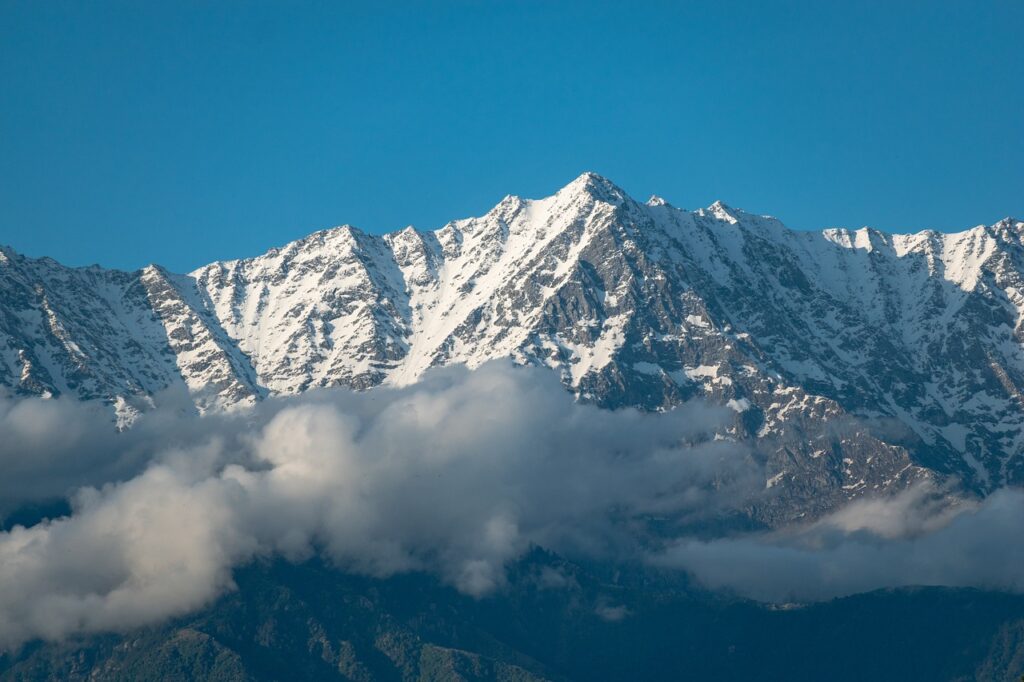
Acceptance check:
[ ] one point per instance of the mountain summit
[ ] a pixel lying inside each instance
(857, 361)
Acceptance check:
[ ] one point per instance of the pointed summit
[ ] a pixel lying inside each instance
(597, 186)
(723, 212)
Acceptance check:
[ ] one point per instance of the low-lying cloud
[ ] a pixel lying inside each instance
(456, 475)
(915, 538)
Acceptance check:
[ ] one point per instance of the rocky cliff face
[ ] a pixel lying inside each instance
(857, 361)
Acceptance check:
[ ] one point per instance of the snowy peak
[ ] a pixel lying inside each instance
(596, 187)
(722, 212)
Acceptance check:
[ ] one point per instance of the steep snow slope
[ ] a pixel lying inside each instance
(860, 360)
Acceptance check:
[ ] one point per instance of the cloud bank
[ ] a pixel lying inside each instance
(456, 476)
(915, 538)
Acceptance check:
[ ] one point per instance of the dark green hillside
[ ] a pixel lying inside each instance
(554, 621)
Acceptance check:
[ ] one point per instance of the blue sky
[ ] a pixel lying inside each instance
(183, 132)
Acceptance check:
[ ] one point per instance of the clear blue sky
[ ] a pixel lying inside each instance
(183, 132)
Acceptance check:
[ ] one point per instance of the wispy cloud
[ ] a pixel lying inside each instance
(915, 538)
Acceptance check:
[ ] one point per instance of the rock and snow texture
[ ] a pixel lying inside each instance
(858, 360)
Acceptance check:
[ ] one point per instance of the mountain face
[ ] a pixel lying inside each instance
(857, 361)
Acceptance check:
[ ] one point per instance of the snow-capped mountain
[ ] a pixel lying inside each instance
(859, 360)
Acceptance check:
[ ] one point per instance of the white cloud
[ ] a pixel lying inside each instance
(915, 538)
(456, 476)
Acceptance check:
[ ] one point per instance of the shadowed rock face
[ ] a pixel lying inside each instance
(857, 361)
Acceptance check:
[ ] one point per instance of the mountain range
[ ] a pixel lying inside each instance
(855, 361)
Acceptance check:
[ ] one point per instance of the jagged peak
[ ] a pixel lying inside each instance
(721, 211)
(408, 234)
(339, 233)
(509, 204)
(511, 200)
(337, 230)
(342, 233)
(655, 200)
(154, 271)
(597, 186)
